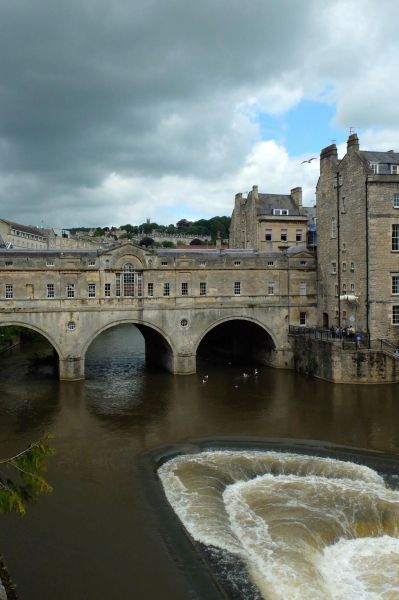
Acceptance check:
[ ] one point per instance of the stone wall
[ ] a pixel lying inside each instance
(328, 360)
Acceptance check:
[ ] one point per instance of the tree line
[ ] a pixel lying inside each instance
(203, 227)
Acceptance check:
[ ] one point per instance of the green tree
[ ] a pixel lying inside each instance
(21, 479)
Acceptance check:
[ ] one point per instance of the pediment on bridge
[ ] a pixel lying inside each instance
(118, 256)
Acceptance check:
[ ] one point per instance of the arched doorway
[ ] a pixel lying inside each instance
(237, 340)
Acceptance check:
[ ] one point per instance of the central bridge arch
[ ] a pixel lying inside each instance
(159, 350)
(238, 337)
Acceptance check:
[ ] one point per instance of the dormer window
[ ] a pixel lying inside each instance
(394, 169)
(281, 211)
(374, 168)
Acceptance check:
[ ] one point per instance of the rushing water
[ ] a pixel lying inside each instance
(98, 536)
(306, 527)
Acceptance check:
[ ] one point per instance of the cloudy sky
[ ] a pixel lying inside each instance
(112, 112)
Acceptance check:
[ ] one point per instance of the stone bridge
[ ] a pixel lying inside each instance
(179, 300)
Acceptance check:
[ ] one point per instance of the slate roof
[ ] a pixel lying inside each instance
(267, 202)
(25, 228)
(384, 160)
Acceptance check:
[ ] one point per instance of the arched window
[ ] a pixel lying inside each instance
(128, 280)
(129, 283)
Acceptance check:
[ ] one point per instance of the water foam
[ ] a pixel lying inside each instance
(289, 517)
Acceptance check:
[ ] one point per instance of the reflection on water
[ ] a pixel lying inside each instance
(292, 519)
(98, 520)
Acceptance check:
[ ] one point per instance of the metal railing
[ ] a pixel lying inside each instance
(347, 339)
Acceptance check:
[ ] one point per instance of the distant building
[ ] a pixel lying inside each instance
(268, 222)
(22, 236)
(358, 240)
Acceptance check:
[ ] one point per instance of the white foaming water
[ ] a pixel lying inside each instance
(306, 527)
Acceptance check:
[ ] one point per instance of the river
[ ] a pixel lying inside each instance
(97, 535)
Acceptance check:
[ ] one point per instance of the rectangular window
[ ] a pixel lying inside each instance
(333, 267)
(91, 290)
(395, 284)
(166, 289)
(302, 318)
(270, 288)
(268, 235)
(352, 266)
(284, 235)
(396, 200)
(202, 288)
(107, 290)
(8, 290)
(374, 168)
(299, 235)
(184, 288)
(352, 288)
(70, 290)
(395, 315)
(344, 288)
(336, 290)
(395, 237)
(237, 288)
(139, 288)
(394, 169)
(150, 289)
(302, 288)
(117, 285)
(344, 266)
(50, 290)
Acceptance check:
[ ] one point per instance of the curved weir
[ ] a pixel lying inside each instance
(304, 527)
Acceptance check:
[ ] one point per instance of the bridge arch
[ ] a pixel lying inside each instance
(44, 333)
(159, 349)
(239, 336)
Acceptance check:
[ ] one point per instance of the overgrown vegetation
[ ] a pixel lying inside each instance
(21, 478)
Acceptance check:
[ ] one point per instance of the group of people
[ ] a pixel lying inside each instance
(340, 332)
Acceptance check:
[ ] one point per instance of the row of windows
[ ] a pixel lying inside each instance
(129, 289)
(394, 169)
(299, 235)
(29, 236)
(345, 288)
(344, 267)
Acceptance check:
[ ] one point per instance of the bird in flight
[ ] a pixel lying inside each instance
(308, 161)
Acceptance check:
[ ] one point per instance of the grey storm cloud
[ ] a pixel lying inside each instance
(151, 91)
(87, 86)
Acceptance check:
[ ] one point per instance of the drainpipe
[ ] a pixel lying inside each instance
(338, 255)
(367, 265)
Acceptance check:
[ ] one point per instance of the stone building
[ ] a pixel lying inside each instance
(22, 236)
(358, 240)
(268, 222)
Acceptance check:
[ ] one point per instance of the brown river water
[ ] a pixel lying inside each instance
(99, 535)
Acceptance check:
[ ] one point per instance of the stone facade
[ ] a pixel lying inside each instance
(358, 240)
(268, 222)
(174, 297)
